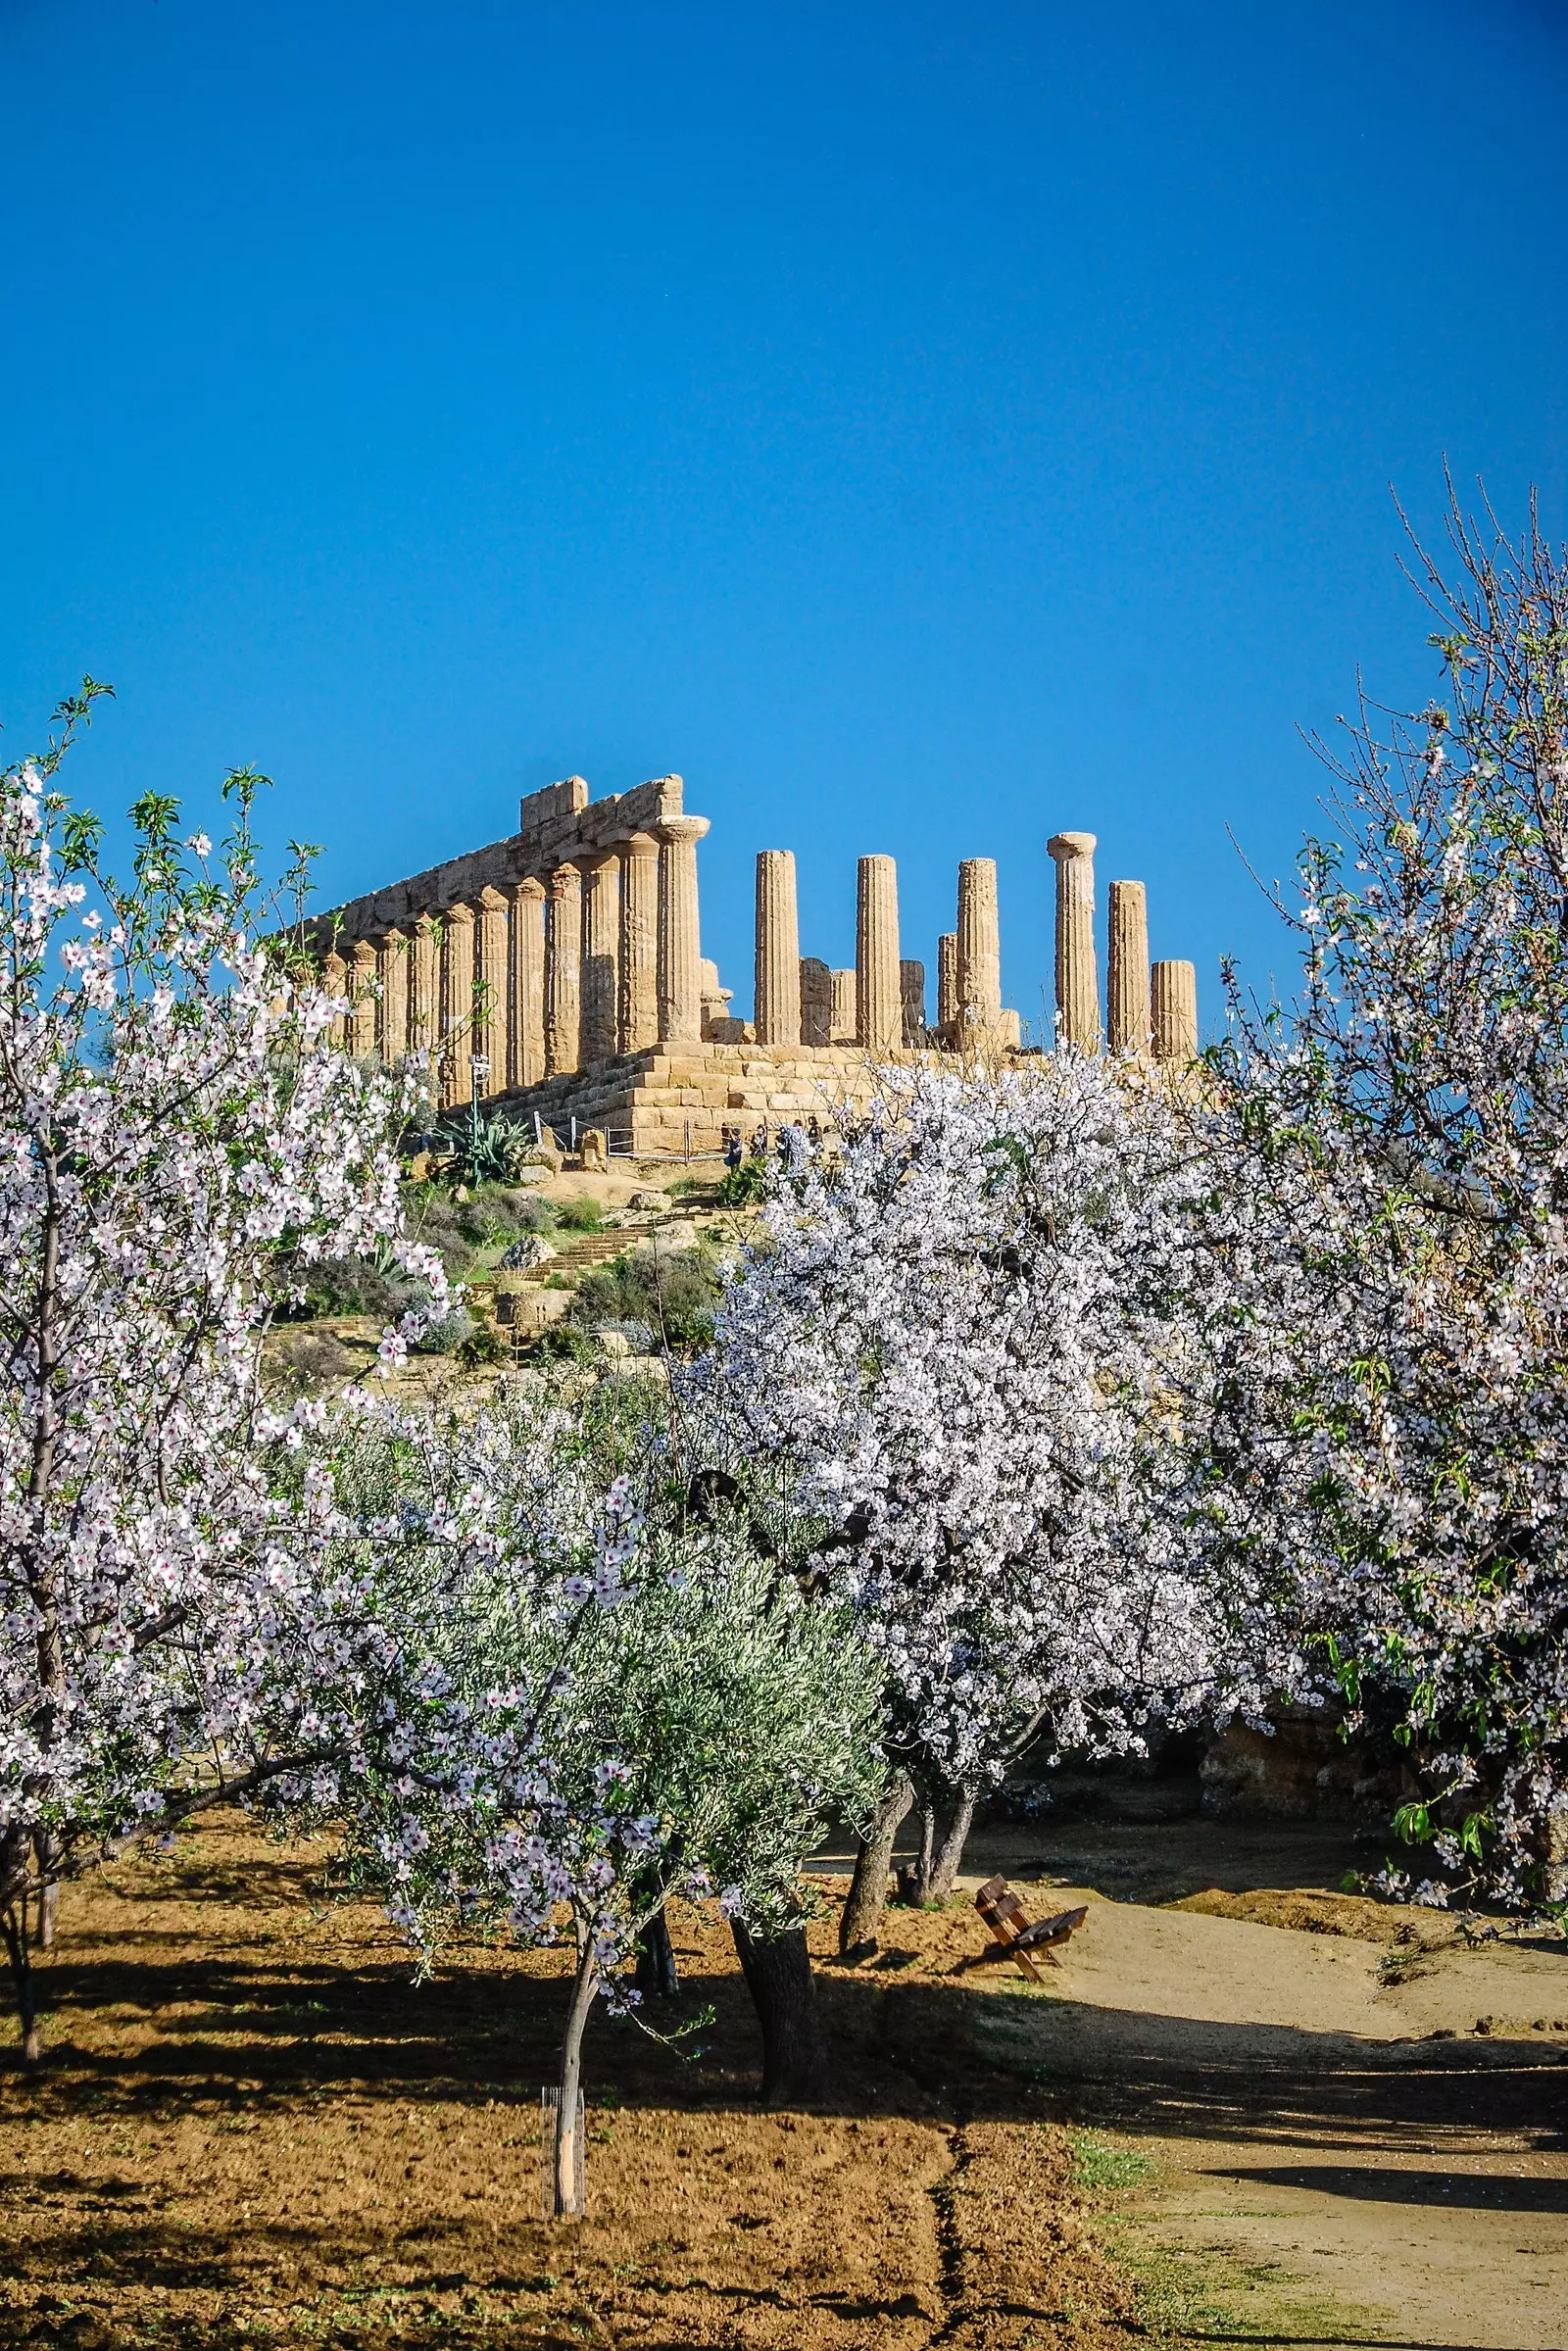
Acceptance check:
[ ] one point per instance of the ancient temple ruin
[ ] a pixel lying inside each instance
(562, 969)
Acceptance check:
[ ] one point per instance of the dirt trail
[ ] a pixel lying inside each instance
(1369, 2133)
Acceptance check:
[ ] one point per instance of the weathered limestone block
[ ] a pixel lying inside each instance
(680, 954)
(879, 1002)
(601, 958)
(779, 951)
(639, 943)
(1174, 991)
(911, 991)
(816, 1001)
(564, 972)
(526, 1041)
(1077, 970)
(845, 1012)
(1127, 999)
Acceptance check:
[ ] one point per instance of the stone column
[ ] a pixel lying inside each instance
(526, 1065)
(392, 958)
(777, 1012)
(846, 1018)
(492, 990)
(879, 1003)
(1127, 1010)
(816, 1001)
(1175, 1012)
(1077, 976)
(457, 1004)
(639, 944)
(334, 982)
(912, 994)
(361, 987)
(425, 987)
(564, 972)
(947, 997)
(601, 956)
(979, 948)
(680, 953)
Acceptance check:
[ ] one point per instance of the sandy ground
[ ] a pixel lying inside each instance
(255, 2128)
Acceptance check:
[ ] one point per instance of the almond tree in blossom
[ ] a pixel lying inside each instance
(959, 1350)
(173, 1125)
(1387, 1415)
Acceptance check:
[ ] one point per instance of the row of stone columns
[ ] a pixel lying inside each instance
(879, 1005)
(542, 977)
(1151, 1009)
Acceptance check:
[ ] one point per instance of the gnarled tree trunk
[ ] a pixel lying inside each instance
(778, 1975)
(861, 1922)
(568, 2154)
(942, 1856)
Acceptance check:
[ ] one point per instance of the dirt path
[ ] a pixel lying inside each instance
(1366, 2138)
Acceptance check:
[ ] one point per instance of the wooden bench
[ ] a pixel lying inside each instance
(1017, 1939)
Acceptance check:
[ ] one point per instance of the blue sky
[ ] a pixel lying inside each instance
(923, 426)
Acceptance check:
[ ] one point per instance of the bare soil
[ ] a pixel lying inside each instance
(254, 2126)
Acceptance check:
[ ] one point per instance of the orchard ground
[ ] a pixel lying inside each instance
(1262, 2116)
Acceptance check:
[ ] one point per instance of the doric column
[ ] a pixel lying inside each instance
(601, 956)
(1077, 976)
(639, 944)
(1175, 1012)
(779, 951)
(424, 986)
(564, 972)
(1127, 1009)
(879, 1004)
(393, 954)
(457, 1004)
(846, 1016)
(912, 995)
(334, 982)
(816, 1001)
(492, 988)
(362, 988)
(947, 997)
(680, 953)
(525, 1065)
(979, 938)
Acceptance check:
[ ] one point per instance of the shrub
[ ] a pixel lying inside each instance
(673, 1295)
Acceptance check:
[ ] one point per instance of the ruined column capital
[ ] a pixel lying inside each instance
(490, 900)
(682, 828)
(639, 845)
(1063, 845)
(565, 880)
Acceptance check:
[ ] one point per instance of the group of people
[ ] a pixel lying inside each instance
(794, 1145)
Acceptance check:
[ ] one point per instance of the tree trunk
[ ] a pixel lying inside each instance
(657, 1976)
(568, 2153)
(778, 1975)
(48, 1851)
(949, 1854)
(861, 1922)
(23, 1983)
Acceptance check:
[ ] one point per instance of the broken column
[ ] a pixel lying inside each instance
(912, 994)
(1174, 991)
(525, 1057)
(1077, 975)
(1127, 1007)
(457, 1004)
(564, 972)
(639, 943)
(816, 1001)
(492, 988)
(335, 983)
(601, 956)
(979, 937)
(878, 999)
(777, 1004)
(392, 955)
(680, 954)
(846, 1018)
(948, 997)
